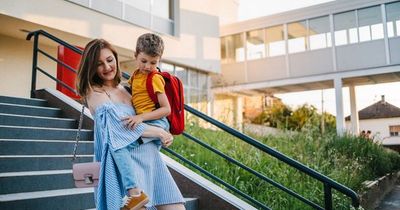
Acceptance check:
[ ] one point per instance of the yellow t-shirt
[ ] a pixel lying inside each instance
(141, 100)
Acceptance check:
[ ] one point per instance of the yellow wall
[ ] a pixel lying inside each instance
(16, 65)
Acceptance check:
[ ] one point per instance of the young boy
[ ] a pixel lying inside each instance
(149, 49)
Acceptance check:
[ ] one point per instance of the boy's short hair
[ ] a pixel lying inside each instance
(150, 44)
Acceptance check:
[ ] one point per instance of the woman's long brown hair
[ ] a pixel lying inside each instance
(87, 72)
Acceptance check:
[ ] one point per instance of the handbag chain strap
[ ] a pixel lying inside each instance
(78, 133)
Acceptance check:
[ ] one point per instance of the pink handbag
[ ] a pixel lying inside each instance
(85, 174)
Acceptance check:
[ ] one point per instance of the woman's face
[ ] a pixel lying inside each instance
(106, 65)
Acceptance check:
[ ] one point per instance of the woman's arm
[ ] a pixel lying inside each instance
(152, 131)
(163, 111)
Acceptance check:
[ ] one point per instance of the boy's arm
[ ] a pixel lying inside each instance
(152, 131)
(163, 111)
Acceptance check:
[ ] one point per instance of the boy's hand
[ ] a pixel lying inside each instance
(166, 138)
(132, 121)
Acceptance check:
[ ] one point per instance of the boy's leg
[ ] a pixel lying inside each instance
(161, 123)
(134, 198)
(125, 167)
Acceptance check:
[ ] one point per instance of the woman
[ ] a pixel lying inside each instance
(99, 84)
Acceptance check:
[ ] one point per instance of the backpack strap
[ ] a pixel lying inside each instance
(150, 89)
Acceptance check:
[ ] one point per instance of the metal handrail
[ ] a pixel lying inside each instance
(258, 203)
(328, 182)
(252, 171)
(36, 50)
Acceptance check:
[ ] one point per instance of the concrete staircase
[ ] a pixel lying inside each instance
(36, 145)
(35, 157)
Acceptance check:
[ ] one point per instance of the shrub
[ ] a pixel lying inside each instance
(346, 159)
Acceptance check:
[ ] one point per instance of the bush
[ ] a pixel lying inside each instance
(347, 160)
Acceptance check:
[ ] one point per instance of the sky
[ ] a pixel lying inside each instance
(365, 95)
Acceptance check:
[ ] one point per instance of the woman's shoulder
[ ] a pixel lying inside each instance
(95, 98)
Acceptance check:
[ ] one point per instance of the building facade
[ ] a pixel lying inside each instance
(381, 120)
(190, 32)
(332, 45)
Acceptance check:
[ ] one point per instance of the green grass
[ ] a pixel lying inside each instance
(347, 160)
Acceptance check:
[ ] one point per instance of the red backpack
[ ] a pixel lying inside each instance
(174, 91)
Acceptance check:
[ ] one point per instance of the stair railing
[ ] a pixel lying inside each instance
(328, 183)
(36, 50)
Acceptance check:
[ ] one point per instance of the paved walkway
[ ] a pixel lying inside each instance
(391, 201)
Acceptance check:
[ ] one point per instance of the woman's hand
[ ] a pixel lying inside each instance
(132, 121)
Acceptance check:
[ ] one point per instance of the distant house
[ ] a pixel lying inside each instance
(383, 120)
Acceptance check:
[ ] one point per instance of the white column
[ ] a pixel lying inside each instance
(339, 106)
(210, 98)
(238, 112)
(210, 105)
(355, 126)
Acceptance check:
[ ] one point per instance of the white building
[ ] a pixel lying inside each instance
(331, 45)
(382, 119)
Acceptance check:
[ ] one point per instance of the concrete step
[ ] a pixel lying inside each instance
(29, 110)
(190, 204)
(18, 163)
(36, 121)
(29, 181)
(23, 101)
(43, 147)
(71, 199)
(21, 132)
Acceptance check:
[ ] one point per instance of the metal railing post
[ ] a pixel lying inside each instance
(328, 196)
(34, 64)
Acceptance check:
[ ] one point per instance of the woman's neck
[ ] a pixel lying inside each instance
(108, 85)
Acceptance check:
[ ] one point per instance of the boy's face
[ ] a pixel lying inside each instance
(147, 63)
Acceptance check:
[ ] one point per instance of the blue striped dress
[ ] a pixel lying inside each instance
(151, 172)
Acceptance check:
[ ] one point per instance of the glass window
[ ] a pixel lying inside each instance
(255, 44)
(319, 33)
(235, 48)
(202, 81)
(394, 130)
(161, 8)
(297, 33)
(345, 28)
(275, 41)
(139, 4)
(370, 24)
(186, 94)
(393, 19)
(182, 74)
(193, 77)
(390, 28)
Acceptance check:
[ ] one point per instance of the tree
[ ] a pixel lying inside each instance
(281, 116)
